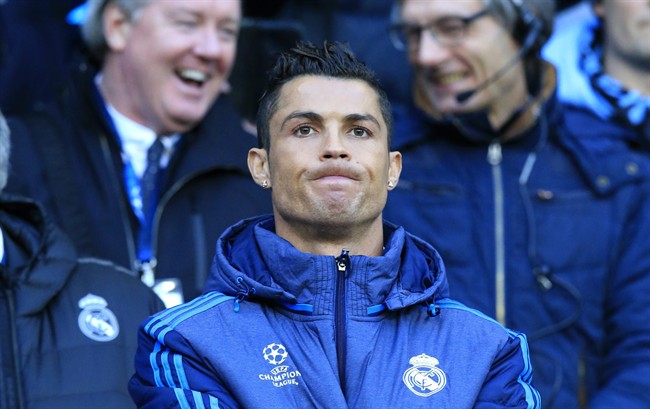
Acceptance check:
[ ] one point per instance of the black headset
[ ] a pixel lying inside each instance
(529, 28)
(532, 33)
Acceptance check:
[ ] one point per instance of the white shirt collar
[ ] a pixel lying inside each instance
(137, 138)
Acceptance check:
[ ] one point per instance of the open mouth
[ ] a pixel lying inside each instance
(192, 77)
(448, 78)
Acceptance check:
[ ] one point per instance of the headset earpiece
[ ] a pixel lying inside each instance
(529, 27)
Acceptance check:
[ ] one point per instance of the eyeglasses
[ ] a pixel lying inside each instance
(448, 31)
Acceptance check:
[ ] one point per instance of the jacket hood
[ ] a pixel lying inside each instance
(25, 224)
(252, 262)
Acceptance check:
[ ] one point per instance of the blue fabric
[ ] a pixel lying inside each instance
(223, 352)
(576, 201)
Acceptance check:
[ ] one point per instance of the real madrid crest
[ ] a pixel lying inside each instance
(424, 378)
(95, 320)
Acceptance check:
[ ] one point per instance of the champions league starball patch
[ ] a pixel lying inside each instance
(280, 375)
(424, 378)
(95, 320)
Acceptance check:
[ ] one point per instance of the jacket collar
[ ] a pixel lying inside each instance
(409, 271)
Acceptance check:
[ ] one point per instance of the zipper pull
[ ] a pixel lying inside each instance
(494, 154)
(343, 261)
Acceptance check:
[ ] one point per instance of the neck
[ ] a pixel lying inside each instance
(631, 74)
(531, 108)
(117, 90)
(330, 238)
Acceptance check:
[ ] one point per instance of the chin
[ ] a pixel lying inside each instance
(448, 108)
(188, 119)
(178, 124)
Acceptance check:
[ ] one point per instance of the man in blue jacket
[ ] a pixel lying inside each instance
(541, 212)
(152, 96)
(323, 304)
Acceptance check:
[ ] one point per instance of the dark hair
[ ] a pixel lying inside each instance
(332, 60)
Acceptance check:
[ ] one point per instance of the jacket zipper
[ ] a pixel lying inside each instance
(16, 384)
(342, 267)
(494, 158)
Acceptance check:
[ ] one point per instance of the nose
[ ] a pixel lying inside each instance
(429, 50)
(334, 146)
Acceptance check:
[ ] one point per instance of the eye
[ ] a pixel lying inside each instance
(412, 33)
(186, 23)
(228, 33)
(304, 130)
(449, 28)
(360, 132)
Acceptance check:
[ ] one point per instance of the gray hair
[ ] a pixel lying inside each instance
(92, 29)
(5, 148)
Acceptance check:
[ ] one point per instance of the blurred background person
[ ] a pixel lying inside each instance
(603, 63)
(541, 219)
(143, 158)
(68, 324)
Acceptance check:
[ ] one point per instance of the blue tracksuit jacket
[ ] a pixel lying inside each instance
(278, 328)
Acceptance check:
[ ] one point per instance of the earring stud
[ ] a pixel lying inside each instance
(391, 184)
(265, 184)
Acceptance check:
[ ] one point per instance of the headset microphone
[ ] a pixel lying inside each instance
(529, 42)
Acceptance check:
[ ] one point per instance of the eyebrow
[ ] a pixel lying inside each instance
(361, 118)
(312, 116)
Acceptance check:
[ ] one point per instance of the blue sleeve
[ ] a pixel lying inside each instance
(624, 378)
(509, 382)
(170, 374)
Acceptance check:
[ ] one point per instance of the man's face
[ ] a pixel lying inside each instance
(328, 162)
(443, 72)
(627, 30)
(175, 57)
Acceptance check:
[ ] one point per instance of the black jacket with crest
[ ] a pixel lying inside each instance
(67, 325)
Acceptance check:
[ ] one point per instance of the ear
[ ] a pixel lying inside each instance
(258, 165)
(117, 27)
(394, 169)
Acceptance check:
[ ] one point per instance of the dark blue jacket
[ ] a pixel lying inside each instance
(67, 325)
(68, 157)
(549, 233)
(279, 328)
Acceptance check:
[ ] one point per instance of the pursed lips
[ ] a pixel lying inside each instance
(335, 174)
